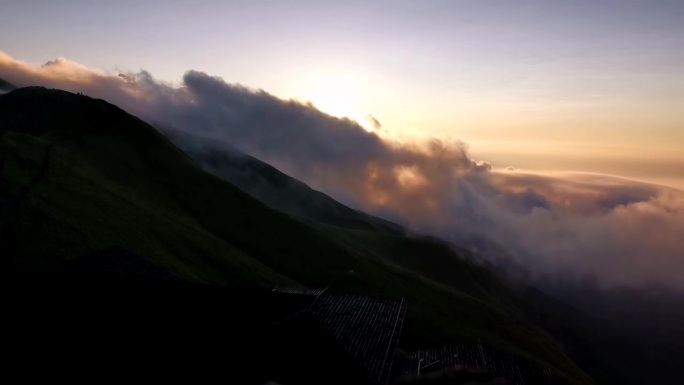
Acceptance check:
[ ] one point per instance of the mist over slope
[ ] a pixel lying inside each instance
(618, 335)
(81, 175)
(620, 231)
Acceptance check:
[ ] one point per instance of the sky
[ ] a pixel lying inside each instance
(506, 121)
(586, 85)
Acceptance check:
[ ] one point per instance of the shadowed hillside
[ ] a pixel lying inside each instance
(384, 240)
(79, 175)
(6, 86)
(602, 331)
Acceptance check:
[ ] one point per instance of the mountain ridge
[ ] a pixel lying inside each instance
(85, 175)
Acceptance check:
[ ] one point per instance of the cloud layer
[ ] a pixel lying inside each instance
(621, 231)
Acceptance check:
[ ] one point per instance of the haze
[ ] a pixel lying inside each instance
(574, 85)
(514, 123)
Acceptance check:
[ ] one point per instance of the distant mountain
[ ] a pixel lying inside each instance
(78, 175)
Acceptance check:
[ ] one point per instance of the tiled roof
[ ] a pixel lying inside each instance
(299, 290)
(517, 370)
(367, 328)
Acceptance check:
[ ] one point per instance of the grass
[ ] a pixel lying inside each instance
(85, 176)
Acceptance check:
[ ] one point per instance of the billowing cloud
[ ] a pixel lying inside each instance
(621, 231)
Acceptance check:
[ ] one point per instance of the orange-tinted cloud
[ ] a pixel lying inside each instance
(624, 232)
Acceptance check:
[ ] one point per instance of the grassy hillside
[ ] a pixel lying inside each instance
(275, 188)
(366, 234)
(78, 175)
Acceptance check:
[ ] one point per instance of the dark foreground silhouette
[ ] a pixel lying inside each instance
(113, 314)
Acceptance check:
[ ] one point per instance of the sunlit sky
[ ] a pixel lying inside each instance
(574, 85)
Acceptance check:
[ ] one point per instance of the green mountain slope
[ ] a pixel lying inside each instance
(370, 235)
(275, 188)
(79, 175)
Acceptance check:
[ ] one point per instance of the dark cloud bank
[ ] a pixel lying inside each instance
(620, 231)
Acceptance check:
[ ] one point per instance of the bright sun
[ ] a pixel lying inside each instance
(338, 94)
(335, 104)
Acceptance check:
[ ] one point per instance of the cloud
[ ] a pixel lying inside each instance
(623, 232)
(373, 121)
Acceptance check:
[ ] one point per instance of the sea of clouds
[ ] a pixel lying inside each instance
(617, 230)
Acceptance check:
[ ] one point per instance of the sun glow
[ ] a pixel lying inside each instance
(335, 105)
(337, 93)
